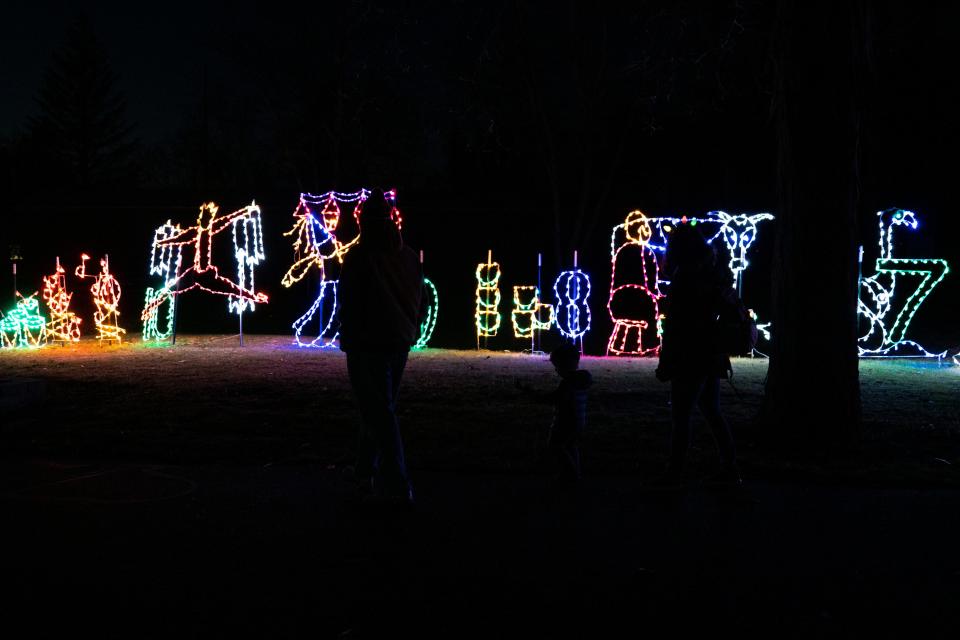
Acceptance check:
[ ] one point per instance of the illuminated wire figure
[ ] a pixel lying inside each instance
(106, 297)
(885, 332)
(487, 314)
(430, 321)
(316, 245)
(528, 311)
(738, 233)
(634, 303)
(23, 327)
(202, 273)
(64, 325)
(165, 261)
(573, 305)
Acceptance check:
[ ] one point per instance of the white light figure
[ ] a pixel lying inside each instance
(885, 332)
(165, 261)
(573, 314)
(634, 302)
(738, 233)
(201, 273)
(316, 246)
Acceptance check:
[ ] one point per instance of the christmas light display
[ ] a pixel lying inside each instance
(106, 298)
(738, 233)
(23, 327)
(885, 334)
(634, 306)
(165, 261)
(202, 274)
(573, 314)
(487, 313)
(528, 311)
(64, 325)
(430, 322)
(316, 246)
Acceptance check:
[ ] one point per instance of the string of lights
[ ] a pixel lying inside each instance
(487, 313)
(165, 261)
(878, 293)
(627, 337)
(526, 314)
(23, 327)
(573, 314)
(106, 298)
(64, 325)
(430, 322)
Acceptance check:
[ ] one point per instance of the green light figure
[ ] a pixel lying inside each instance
(24, 327)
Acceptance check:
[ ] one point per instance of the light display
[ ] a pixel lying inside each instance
(202, 274)
(487, 313)
(64, 325)
(430, 322)
(887, 323)
(738, 233)
(23, 327)
(573, 305)
(528, 311)
(165, 261)
(106, 298)
(634, 302)
(316, 246)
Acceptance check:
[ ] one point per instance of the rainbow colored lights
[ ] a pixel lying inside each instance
(202, 274)
(64, 325)
(106, 298)
(887, 314)
(23, 327)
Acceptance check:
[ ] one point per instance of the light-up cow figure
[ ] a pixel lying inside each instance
(316, 246)
(23, 327)
(202, 273)
(885, 333)
(634, 303)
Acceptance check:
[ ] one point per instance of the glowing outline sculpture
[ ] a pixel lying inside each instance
(247, 232)
(531, 311)
(23, 327)
(106, 293)
(315, 244)
(568, 315)
(64, 325)
(165, 263)
(623, 327)
(430, 322)
(880, 340)
(487, 314)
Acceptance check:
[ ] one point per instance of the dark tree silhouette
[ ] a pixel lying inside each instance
(813, 389)
(80, 136)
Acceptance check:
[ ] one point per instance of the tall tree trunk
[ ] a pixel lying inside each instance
(812, 391)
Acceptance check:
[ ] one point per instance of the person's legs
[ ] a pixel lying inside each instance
(710, 408)
(683, 395)
(393, 468)
(361, 371)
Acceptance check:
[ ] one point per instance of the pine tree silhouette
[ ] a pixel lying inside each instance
(81, 135)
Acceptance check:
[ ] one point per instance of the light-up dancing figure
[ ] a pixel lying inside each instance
(64, 325)
(106, 297)
(634, 303)
(316, 246)
(885, 332)
(202, 273)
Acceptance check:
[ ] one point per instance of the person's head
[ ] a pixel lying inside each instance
(688, 250)
(377, 227)
(375, 209)
(565, 358)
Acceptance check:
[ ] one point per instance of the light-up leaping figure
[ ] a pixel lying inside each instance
(202, 273)
(885, 333)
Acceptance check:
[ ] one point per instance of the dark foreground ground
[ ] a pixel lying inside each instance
(197, 492)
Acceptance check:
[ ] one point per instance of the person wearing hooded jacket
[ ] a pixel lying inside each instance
(380, 298)
(691, 357)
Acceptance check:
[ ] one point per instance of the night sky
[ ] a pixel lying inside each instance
(489, 118)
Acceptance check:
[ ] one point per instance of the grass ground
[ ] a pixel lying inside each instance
(209, 399)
